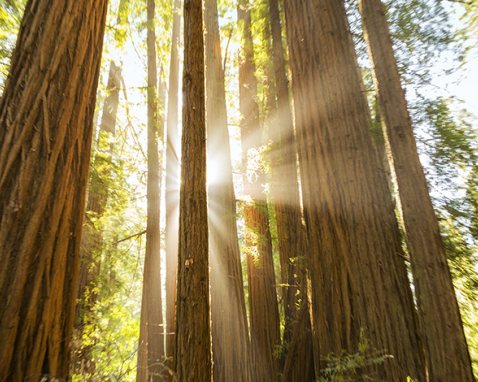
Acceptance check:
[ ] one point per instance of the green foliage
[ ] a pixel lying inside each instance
(350, 367)
(10, 17)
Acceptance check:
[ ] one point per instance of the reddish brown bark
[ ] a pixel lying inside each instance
(230, 337)
(263, 309)
(359, 282)
(46, 116)
(447, 353)
(193, 335)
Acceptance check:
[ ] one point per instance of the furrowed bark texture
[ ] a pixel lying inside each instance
(230, 336)
(290, 229)
(172, 186)
(46, 116)
(447, 353)
(360, 289)
(193, 337)
(264, 314)
(151, 338)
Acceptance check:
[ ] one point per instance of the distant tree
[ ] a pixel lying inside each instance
(263, 309)
(230, 335)
(151, 338)
(172, 185)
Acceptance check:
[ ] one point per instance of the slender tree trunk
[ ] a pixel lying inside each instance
(445, 344)
(46, 116)
(92, 239)
(264, 314)
(151, 339)
(172, 187)
(193, 341)
(230, 337)
(360, 290)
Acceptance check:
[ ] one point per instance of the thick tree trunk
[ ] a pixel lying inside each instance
(46, 116)
(360, 290)
(230, 337)
(264, 314)
(172, 187)
(445, 344)
(193, 337)
(151, 338)
(290, 229)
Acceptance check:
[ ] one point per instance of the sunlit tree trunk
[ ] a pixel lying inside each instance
(263, 309)
(92, 240)
(359, 285)
(151, 337)
(230, 337)
(172, 186)
(46, 116)
(97, 198)
(445, 344)
(193, 335)
(298, 365)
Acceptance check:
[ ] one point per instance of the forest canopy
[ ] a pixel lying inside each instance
(249, 190)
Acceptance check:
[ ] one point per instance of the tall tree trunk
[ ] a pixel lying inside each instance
(151, 338)
(172, 186)
(264, 314)
(230, 337)
(290, 230)
(360, 290)
(46, 116)
(97, 198)
(447, 353)
(193, 342)
(92, 239)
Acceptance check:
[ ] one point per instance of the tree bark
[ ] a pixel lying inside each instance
(230, 337)
(360, 290)
(447, 353)
(151, 338)
(46, 116)
(264, 314)
(172, 187)
(193, 342)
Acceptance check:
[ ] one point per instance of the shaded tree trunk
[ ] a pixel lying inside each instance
(230, 335)
(151, 337)
(447, 353)
(264, 314)
(193, 335)
(360, 290)
(46, 116)
(172, 187)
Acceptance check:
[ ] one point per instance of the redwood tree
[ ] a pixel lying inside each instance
(445, 344)
(359, 285)
(193, 335)
(46, 116)
(263, 309)
(151, 338)
(291, 236)
(230, 336)
(172, 185)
